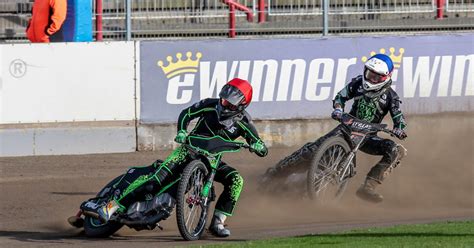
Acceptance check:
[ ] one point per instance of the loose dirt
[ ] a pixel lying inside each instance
(434, 182)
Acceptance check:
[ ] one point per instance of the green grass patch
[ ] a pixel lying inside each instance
(445, 234)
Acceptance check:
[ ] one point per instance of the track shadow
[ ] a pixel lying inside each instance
(47, 237)
(171, 238)
(73, 193)
(65, 237)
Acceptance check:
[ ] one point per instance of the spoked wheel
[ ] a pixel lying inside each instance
(191, 213)
(94, 227)
(324, 182)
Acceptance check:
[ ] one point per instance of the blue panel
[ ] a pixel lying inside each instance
(78, 24)
(83, 20)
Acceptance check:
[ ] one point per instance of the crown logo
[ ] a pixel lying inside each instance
(397, 59)
(180, 66)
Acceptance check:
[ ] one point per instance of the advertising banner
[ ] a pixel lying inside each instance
(66, 82)
(298, 78)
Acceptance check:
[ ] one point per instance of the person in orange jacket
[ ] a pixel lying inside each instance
(46, 21)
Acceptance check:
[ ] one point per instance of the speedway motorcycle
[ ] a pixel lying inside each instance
(328, 163)
(191, 193)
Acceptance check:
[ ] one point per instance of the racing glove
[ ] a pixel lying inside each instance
(181, 136)
(337, 114)
(259, 148)
(399, 133)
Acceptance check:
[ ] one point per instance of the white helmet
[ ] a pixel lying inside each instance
(377, 72)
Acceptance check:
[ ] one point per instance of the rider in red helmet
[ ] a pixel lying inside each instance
(224, 116)
(235, 96)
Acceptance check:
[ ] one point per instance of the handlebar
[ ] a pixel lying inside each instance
(245, 146)
(212, 144)
(386, 130)
(378, 127)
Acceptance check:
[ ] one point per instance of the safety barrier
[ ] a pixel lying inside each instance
(65, 82)
(95, 103)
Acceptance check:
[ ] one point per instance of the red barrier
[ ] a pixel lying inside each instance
(236, 6)
(231, 20)
(98, 20)
(440, 9)
(261, 11)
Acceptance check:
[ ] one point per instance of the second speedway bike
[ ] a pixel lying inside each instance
(328, 163)
(191, 193)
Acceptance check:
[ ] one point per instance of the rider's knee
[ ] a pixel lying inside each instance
(392, 151)
(236, 181)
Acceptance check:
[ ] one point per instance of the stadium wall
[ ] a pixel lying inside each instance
(73, 98)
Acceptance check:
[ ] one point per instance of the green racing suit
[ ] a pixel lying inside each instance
(140, 181)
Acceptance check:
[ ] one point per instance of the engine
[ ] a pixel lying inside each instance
(162, 204)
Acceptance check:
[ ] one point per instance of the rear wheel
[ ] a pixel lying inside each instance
(93, 227)
(191, 214)
(324, 182)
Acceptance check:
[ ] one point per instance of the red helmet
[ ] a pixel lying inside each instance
(235, 96)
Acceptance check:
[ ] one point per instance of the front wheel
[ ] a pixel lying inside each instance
(324, 182)
(191, 212)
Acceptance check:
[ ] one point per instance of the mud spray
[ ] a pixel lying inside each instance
(435, 179)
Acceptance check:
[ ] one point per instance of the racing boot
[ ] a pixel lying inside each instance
(217, 227)
(101, 212)
(367, 191)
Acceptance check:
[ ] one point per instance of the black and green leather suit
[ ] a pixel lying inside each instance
(373, 107)
(151, 179)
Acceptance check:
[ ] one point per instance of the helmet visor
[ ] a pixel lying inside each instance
(374, 77)
(231, 95)
(226, 104)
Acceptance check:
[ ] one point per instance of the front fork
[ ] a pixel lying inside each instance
(207, 188)
(347, 162)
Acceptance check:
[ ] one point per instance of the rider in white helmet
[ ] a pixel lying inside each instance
(373, 99)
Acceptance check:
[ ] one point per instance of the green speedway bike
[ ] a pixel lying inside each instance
(191, 193)
(321, 170)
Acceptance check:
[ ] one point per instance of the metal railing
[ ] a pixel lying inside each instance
(14, 17)
(167, 9)
(165, 17)
(176, 18)
(460, 6)
(314, 7)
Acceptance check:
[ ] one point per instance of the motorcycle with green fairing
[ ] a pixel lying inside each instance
(192, 193)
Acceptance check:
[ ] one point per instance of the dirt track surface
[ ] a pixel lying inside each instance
(435, 182)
